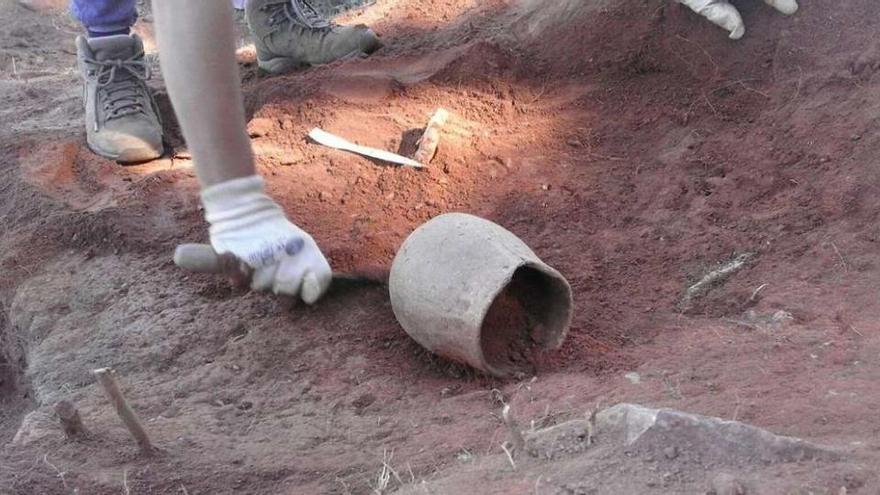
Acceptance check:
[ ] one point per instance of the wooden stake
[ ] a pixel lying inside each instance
(70, 420)
(107, 379)
(430, 140)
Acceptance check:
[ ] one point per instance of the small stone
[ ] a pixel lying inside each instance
(782, 316)
(260, 127)
(465, 456)
(853, 481)
(287, 124)
(727, 484)
(324, 196)
(671, 452)
(633, 378)
(545, 187)
(574, 142)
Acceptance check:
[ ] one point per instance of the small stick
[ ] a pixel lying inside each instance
(107, 379)
(516, 436)
(755, 293)
(711, 106)
(70, 420)
(53, 466)
(509, 455)
(591, 425)
(842, 260)
(713, 277)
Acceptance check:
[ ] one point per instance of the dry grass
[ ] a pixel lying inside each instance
(382, 483)
(22, 472)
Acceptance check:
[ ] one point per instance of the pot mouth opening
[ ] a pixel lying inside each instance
(529, 315)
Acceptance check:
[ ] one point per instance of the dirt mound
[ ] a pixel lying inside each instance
(630, 144)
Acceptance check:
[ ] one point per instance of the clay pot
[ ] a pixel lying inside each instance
(448, 274)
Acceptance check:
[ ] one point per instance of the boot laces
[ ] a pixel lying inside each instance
(297, 13)
(122, 85)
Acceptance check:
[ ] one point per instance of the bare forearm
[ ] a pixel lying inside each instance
(197, 54)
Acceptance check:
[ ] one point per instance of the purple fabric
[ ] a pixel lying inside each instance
(112, 16)
(103, 16)
(116, 16)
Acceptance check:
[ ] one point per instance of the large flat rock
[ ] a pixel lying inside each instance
(710, 438)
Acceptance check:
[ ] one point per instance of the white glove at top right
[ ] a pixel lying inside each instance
(248, 224)
(725, 15)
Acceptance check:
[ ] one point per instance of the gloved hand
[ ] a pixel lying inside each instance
(247, 224)
(725, 15)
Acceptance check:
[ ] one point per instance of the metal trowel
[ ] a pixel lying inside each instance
(202, 258)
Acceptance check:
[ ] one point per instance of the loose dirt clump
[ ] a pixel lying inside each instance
(506, 335)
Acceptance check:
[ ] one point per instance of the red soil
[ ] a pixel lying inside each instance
(632, 146)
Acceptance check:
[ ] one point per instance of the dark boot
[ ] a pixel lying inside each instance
(291, 34)
(121, 119)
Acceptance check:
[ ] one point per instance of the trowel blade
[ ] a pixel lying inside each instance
(202, 258)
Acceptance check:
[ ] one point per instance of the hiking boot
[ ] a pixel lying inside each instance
(291, 34)
(122, 122)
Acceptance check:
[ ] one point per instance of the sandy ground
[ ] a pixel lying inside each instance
(630, 144)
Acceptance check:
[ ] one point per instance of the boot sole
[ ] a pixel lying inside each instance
(280, 65)
(129, 156)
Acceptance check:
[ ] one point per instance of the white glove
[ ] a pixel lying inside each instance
(725, 15)
(720, 13)
(248, 224)
(787, 7)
